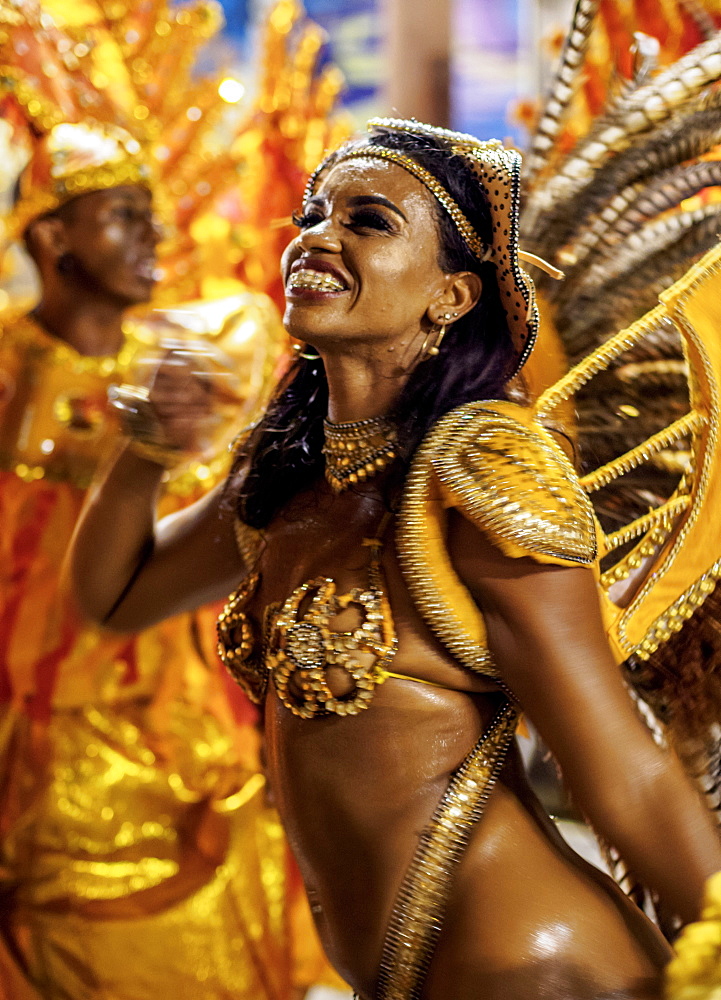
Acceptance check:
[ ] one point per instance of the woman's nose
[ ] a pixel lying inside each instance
(323, 236)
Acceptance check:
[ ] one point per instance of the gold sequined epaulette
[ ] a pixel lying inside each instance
(514, 482)
(507, 475)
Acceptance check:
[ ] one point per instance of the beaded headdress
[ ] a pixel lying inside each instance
(497, 172)
(79, 98)
(73, 159)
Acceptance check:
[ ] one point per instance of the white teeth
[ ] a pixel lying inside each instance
(318, 280)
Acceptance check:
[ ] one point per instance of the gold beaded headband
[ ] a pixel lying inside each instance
(497, 171)
(372, 152)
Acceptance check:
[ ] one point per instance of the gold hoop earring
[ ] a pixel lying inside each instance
(432, 352)
(298, 351)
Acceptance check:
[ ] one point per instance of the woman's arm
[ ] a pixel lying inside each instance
(547, 639)
(128, 572)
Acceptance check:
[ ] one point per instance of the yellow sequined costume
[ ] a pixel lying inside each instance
(137, 847)
(137, 852)
(501, 466)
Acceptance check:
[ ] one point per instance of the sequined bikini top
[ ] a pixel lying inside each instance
(299, 646)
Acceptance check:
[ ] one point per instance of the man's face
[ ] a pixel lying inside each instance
(112, 238)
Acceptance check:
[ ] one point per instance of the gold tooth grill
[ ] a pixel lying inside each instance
(315, 280)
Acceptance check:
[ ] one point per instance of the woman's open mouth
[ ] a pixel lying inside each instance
(311, 279)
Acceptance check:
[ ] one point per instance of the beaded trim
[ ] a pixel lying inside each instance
(35, 203)
(357, 451)
(420, 905)
(512, 482)
(248, 540)
(463, 140)
(236, 642)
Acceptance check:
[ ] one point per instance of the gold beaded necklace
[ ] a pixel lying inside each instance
(357, 451)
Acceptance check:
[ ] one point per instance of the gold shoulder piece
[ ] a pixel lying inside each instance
(514, 482)
(511, 479)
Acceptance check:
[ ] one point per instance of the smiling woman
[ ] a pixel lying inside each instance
(418, 563)
(378, 279)
(386, 251)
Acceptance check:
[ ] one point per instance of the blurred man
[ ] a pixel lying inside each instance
(137, 854)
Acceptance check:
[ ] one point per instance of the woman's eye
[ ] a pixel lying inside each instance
(306, 220)
(368, 219)
(364, 219)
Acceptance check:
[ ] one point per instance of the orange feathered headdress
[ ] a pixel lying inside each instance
(85, 82)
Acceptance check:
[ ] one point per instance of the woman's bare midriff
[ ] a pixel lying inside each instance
(526, 918)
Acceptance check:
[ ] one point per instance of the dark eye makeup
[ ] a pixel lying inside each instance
(360, 218)
(305, 220)
(367, 218)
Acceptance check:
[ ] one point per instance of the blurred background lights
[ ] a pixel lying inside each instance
(231, 90)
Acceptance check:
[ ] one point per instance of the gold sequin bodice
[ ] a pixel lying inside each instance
(512, 481)
(301, 647)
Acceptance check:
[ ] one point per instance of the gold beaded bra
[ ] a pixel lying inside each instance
(299, 648)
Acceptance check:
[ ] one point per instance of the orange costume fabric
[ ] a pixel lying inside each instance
(137, 851)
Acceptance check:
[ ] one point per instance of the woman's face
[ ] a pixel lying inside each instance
(364, 267)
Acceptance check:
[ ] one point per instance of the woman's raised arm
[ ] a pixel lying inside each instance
(547, 639)
(129, 572)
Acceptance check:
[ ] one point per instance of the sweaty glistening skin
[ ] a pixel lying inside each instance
(526, 918)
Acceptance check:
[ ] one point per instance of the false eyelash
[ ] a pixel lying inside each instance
(363, 218)
(367, 218)
(302, 219)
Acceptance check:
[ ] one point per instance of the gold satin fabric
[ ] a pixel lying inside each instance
(131, 868)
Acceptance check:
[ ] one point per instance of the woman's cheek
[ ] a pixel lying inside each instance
(290, 254)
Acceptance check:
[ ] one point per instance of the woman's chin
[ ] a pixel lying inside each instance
(310, 333)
